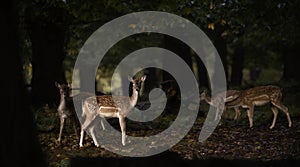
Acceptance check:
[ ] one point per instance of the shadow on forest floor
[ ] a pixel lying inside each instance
(231, 144)
(173, 159)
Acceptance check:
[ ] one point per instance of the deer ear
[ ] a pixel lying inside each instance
(69, 85)
(129, 78)
(57, 84)
(143, 78)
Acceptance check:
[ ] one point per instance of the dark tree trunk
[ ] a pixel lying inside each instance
(202, 73)
(221, 46)
(47, 59)
(170, 85)
(152, 81)
(237, 66)
(182, 50)
(19, 144)
(179, 48)
(291, 64)
(219, 40)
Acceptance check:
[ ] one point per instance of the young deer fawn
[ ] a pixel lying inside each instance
(66, 108)
(259, 96)
(216, 101)
(107, 106)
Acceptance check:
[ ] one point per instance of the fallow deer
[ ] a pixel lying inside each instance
(259, 96)
(66, 108)
(216, 101)
(107, 106)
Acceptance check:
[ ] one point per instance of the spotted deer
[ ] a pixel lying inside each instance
(107, 106)
(259, 96)
(216, 101)
(66, 108)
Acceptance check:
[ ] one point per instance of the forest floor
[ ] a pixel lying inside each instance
(231, 140)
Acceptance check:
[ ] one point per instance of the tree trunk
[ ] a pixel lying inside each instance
(221, 46)
(237, 66)
(179, 48)
(153, 81)
(202, 73)
(170, 85)
(291, 64)
(47, 59)
(19, 144)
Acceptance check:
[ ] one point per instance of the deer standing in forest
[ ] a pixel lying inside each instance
(229, 95)
(66, 108)
(107, 106)
(259, 96)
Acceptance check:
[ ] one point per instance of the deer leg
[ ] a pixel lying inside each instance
(86, 123)
(219, 113)
(250, 116)
(93, 136)
(123, 129)
(237, 113)
(275, 112)
(102, 124)
(285, 110)
(81, 138)
(62, 121)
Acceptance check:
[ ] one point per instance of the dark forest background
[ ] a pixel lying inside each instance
(257, 41)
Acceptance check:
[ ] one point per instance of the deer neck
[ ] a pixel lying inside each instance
(235, 103)
(62, 104)
(134, 97)
(65, 102)
(62, 99)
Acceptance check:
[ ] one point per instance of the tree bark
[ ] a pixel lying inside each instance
(237, 66)
(179, 48)
(170, 85)
(291, 64)
(19, 144)
(202, 73)
(47, 40)
(221, 46)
